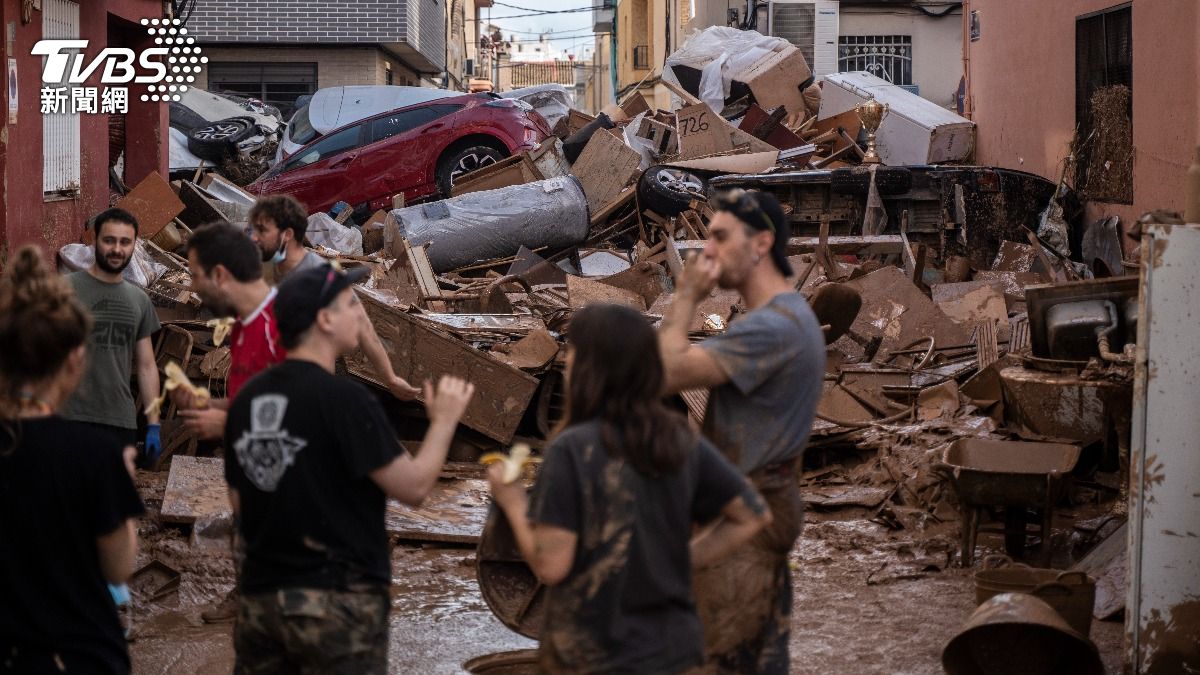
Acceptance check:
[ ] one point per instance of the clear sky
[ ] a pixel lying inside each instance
(571, 32)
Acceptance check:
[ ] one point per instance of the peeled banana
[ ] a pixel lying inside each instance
(221, 329)
(514, 462)
(177, 378)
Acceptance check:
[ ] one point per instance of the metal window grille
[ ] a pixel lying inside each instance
(885, 56)
(641, 57)
(1103, 56)
(60, 131)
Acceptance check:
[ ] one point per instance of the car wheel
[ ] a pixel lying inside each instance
(217, 140)
(454, 166)
(669, 191)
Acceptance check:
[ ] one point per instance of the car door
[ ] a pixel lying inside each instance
(397, 158)
(319, 173)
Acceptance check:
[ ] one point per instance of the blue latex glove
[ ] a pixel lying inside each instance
(120, 594)
(153, 445)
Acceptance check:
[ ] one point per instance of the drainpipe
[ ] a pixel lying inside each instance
(968, 107)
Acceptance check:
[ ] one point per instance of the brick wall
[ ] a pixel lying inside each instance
(418, 23)
(336, 66)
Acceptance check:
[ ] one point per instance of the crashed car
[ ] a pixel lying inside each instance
(419, 151)
(208, 129)
(972, 209)
(335, 107)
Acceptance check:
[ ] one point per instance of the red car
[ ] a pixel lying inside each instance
(419, 150)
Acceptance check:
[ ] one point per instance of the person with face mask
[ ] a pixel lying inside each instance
(277, 225)
(123, 321)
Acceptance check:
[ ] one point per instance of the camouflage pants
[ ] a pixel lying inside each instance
(310, 631)
(745, 600)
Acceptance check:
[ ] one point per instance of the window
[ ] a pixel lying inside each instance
(885, 56)
(335, 144)
(1104, 99)
(397, 123)
(60, 131)
(641, 57)
(277, 84)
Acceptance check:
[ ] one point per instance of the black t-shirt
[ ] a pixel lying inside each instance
(62, 486)
(300, 443)
(626, 606)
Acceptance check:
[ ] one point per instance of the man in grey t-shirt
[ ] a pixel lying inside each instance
(765, 374)
(123, 321)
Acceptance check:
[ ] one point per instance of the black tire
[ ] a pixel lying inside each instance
(890, 180)
(669, 191)
(217, 140)
(461, 162)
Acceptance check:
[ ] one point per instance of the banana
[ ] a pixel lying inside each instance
(514, 462)
(221, 328)
(177, 378)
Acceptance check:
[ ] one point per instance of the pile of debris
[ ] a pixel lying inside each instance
(950, 331)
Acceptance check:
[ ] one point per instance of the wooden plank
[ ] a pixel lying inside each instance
(622, 200)
(420, 352)
(455, 513)
(195, 489)
(680, 92)
(581, 292)
(421, 270)
(153, 203)
(604, 168)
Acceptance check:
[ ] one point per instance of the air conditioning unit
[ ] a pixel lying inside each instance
(811, 25)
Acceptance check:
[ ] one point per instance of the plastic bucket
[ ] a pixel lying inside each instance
(1071, 594)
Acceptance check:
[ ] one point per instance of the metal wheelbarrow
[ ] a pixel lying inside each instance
(1016, 475)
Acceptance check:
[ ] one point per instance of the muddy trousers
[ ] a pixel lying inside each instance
(311, 632)
(745, 601)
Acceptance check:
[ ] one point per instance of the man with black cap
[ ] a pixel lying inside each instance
(311, 460)
(765, 374)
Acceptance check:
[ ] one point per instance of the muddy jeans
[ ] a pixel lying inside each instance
(309, 631)
(745, 601)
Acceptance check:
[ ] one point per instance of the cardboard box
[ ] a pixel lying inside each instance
(914, 131)
(779, 79)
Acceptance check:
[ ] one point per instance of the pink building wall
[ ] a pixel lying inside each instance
(1022, 88)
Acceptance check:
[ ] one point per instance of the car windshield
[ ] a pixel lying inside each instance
(302, 131)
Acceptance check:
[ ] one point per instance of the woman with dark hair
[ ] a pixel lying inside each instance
(609, 525)
(67, 500)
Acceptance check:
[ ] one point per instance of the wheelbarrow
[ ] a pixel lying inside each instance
(1016, 475)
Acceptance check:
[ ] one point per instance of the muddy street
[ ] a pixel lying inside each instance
(867, 600)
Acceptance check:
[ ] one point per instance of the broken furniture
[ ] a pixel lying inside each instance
(1015, 475)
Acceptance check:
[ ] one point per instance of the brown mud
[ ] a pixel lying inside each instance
(867, 599)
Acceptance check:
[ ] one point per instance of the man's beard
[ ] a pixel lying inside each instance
(103, 262)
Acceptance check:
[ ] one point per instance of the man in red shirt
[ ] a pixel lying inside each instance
(226, 270)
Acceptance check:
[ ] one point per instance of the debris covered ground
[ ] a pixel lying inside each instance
(956, 331)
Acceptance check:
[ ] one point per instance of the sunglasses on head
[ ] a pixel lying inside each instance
(742, 204)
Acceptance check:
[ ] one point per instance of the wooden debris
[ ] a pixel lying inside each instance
(195, 489)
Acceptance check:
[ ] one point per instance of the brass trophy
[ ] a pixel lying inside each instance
(871, 112)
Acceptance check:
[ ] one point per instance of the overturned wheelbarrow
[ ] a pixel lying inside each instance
(1016, 475)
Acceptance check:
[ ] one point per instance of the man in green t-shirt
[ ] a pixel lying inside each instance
(123, 321)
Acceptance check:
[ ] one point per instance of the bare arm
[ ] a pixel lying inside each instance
(738, 523)
(147, 374)
(369, 342)
(117, 551)
(410, 479)
(549, 550)
(686, 366)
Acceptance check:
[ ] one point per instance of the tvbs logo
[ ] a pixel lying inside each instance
(166, 78)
